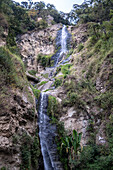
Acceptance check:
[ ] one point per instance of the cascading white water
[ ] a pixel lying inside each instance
(63, 40)
(47, 133)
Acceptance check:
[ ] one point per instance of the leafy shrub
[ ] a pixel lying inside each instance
(30, 152)
(65, 69)
(68, 146)
(98, 45)
(80, 47)
(105, 100)
(70, 52)
(8, 63)
(36, 92)
(93, 40)
(35, 152)
(57, 82)
(43, 82)
(53, 107)
(73, 99)
(4, 168)
(45, 60)
(46, 75)
(32, 72)
(42, 24)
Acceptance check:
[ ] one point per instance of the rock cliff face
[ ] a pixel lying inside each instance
(73, 117)
(37, 42)
(18, 116)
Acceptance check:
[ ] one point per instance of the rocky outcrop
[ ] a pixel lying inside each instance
(17, 117)
(33, 43)
(79, 34)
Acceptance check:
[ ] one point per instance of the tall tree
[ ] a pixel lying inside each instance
(39, 5)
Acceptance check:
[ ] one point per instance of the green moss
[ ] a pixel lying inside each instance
(57, 82)
(43, 82)
(35, 152)
(12, 68)
(69, 53)
(47, 90)
(46, 75)
(32, 72)
(80, 47)
(105, 100)
(45, 60)
(4, 168)
(42, 24)
(53, 107)
(65, 69)
(36, 92)
(30, 151)
(73, 99)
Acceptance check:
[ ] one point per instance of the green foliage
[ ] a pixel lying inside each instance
(70, 53)
(53, 107)
(93, 157)
(76, 140)
(73, 99)
(30, 152)
(105, 100)
(35, 152)
(32, 72)
(42, 24)
(45, 75)
(8, 63)
(4, 168)
(42, 83)
(45, 60)
(109, 132)
(57, 82)
(69, 146)
(36, 92)
(93, 11)
(26, 153)
(97, 156)
(80, 47)
(65, 69)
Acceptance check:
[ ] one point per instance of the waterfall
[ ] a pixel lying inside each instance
(63, 42)
(47, 133)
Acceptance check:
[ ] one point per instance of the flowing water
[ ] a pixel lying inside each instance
(47, 131)
(61, 43)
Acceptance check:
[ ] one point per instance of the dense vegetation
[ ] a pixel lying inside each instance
(95, 59)
(95, 62)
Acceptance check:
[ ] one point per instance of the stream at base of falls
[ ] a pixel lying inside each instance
(47, 131)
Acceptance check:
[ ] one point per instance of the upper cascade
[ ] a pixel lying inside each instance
(63, 40)
(61, 45)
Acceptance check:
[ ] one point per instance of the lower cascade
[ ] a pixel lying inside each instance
(47, 133)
